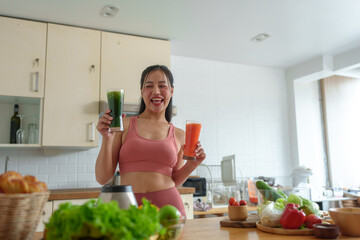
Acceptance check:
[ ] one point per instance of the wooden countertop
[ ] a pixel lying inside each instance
(83, 193)
(209, 229)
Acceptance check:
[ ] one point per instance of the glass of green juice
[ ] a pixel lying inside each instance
(116, 105)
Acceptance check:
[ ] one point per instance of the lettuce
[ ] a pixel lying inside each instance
(101, 220)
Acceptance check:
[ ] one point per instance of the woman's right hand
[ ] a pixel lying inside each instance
(104, 124)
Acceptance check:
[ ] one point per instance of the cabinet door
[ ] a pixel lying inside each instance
(22, 58)
(45, 216)
(188, 205)
(124, 57)
(71, 100)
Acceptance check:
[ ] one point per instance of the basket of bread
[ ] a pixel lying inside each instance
(22, 201)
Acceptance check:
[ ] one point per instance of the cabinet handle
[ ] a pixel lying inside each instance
(187, 204)
(36, 81)
(37, 61)
(92, 68)
(43, 213)
(92, 132)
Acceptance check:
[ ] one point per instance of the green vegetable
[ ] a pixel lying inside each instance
(280, 204)
(293, 198)
(310, 207)
(269, 194)
(103, 221)
(281, 193)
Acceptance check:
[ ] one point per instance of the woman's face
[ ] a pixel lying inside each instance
(156, 91)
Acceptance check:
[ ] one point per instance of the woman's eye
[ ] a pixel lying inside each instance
(148, 86)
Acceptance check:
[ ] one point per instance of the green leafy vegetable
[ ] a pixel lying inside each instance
(101, 220)
(280, 204)
(293, 198)
(310, 207)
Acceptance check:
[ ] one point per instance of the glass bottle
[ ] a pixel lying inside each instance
(31, 133)
(20, 133)
(15, 124)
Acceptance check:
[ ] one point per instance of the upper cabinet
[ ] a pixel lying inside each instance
(124, 57)
(22, 58)
(71, 101)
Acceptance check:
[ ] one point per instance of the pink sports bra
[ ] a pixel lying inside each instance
(138, 154)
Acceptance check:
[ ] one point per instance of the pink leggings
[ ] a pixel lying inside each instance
(163, 197)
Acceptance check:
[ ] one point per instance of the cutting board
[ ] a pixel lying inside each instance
(282, 231)
(250, 222)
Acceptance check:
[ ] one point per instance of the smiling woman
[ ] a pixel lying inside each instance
(149, 152)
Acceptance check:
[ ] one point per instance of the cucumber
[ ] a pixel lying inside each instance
(271, 194)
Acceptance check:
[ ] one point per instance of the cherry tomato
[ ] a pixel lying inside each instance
(231, 201)
(242, 203)
(236, 203)
(311, 219)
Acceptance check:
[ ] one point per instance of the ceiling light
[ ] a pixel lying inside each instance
(109, 11)
(260, 37)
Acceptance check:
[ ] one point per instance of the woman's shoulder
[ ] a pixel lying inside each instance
(179, 132)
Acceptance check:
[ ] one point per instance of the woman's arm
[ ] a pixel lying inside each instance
(109, 152)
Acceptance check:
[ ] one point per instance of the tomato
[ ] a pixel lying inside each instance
(242, 203)
(236, 203)
(231, 201)
(312, 219)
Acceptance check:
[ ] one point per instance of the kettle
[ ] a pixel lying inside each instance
(123, 194)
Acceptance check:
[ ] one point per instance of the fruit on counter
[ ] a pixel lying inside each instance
(312, 219)
(292, 217)
(242, 203)
(270, 194)
(231, 200)
(168, 214)
(99, 220)
(13, 182)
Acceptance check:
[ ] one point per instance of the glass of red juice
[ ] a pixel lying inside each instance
(192, 137)
(116, 104)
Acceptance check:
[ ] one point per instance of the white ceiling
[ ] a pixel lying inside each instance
(216, 29)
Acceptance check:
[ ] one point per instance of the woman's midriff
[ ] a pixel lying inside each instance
(143, 182)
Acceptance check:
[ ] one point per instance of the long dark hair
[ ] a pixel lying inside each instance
(169, 76)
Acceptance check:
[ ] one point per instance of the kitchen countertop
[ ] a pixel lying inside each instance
(83, 193)
(209, 229)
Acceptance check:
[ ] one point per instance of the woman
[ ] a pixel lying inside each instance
(150, 150)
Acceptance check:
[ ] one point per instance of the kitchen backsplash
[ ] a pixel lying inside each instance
(243, 110)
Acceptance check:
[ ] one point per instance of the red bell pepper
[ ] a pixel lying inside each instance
(292, 217)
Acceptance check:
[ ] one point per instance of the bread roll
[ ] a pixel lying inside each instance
(13, 182)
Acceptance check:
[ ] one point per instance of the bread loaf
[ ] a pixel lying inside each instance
(13, 182)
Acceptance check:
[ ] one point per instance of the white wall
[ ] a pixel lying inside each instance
(243, 110)
(309, 132)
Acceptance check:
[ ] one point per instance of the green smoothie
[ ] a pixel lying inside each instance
(116, 104)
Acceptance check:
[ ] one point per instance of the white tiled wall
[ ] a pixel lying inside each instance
(243, 110)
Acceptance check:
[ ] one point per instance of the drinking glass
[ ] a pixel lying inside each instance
(116, 104)
(20, 133)
(192, 136)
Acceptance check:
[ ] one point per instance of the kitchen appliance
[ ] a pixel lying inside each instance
(123, 194)
(200, 187)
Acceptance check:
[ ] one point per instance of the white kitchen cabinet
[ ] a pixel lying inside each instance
(51, 206)
(45, 216)
(188, 201)
(124, 57)
(71, 99)
(22, 58)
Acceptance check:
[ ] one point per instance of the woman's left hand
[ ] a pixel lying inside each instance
(200, 153)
